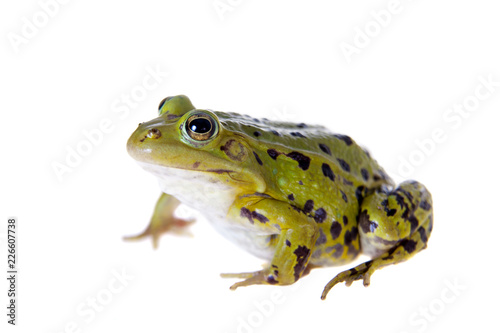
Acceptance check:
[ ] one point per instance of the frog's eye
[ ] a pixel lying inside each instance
(163, 102)
(201, 126)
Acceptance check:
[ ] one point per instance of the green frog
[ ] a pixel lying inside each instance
(295, 195)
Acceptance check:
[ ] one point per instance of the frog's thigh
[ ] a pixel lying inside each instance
(296, 234)
(393, 227)
(387, 219)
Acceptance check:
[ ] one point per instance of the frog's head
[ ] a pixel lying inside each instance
(195, 143)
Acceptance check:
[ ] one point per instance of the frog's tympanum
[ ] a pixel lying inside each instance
(295, 195)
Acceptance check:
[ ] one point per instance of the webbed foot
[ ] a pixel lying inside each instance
(250, 278)
(359, 272)
(164, 221)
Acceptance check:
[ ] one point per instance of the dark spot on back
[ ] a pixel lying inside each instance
(423, 235)
(344, 165)
(350, 236)
(365, 224)
(257, 158)
(347, 182)
(257, 134)
(309, 205)
(388, 212)
(297, 134)
(244, 212)
(391, 212)
(343, 195)
(275, 132)
(359, 194)
(409, 245)
(335, 230)
(301, 125)
(325, 148)
(327, 171)
(413, 223)
(302, 253)
(273, 153)
(321, 238)
(401, 201)
(365, 174)
(291, 197)
(288, 243)
(344, 138)
(406, 193)
(344, 218)
(425, 205)
(339, 250)
(196, 165)
(303, 160)
(259, 217)
(320, 215)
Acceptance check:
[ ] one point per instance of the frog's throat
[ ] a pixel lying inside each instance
(204, 191)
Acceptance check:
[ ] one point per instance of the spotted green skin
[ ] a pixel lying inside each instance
(306, 196)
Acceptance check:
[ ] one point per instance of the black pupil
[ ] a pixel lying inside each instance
(200, 125)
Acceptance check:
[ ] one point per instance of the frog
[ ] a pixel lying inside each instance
(296, 195)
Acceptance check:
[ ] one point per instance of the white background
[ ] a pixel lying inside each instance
(280, 59)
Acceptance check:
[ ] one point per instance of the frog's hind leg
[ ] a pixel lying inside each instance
(393, 227)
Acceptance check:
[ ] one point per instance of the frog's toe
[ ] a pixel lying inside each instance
(155, 230)
(146, 233)
(251, 278)
(362, 271)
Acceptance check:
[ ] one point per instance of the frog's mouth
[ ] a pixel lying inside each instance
(183, 175)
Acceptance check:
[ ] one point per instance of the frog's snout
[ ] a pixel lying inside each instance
(137, 143)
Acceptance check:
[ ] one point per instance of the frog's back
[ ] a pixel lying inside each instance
(312, 142)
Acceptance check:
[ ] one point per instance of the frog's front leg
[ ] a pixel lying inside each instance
(164, 221)
(393, 227)
(291, 233)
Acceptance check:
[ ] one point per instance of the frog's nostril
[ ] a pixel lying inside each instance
(154, 133)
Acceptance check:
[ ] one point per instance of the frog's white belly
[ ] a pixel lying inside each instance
(212, 198)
